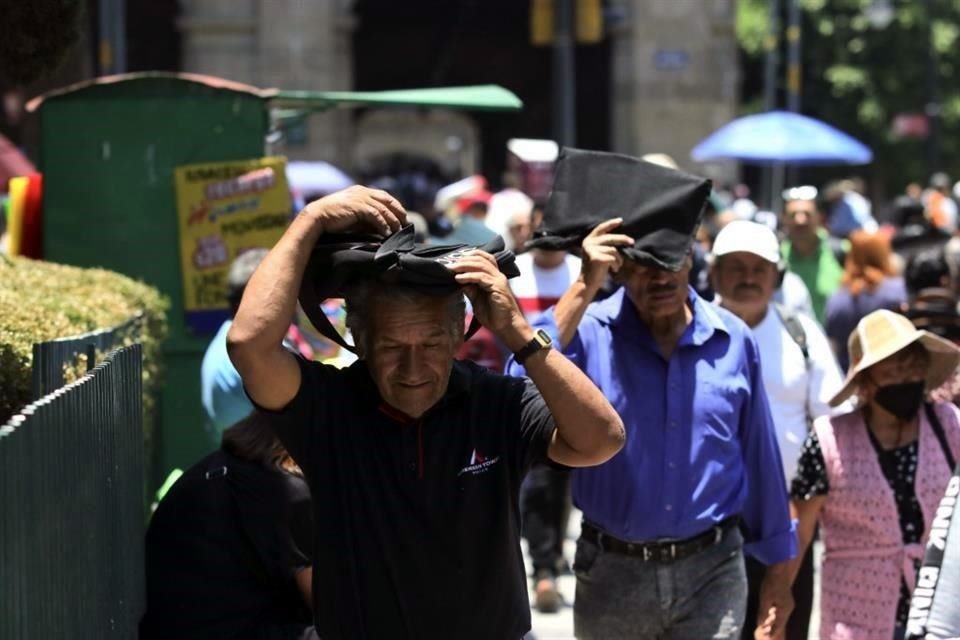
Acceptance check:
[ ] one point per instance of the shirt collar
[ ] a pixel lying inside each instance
(788, 253)
(615, 310)
(707, 319)
(618, 311)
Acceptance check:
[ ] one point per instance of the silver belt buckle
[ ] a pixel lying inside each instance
(647, 554)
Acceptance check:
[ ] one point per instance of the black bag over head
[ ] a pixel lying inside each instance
(661, 207)
(340, 260)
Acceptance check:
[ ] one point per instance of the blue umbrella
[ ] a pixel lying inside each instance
(316, 177)
(783, 137)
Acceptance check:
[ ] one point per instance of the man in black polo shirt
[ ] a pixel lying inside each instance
(414, 461)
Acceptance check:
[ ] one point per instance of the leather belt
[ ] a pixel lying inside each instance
(664, 551)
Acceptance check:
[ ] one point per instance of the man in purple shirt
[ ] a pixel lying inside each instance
(667, 519)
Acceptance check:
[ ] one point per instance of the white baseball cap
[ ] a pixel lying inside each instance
(752, 237)
(806, 192)
(661, 159)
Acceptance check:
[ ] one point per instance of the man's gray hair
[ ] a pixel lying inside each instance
(360, 296)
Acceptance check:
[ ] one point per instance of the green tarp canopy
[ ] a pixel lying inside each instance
(476, 98)
(286, 104)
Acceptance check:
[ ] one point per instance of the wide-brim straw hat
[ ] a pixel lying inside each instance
(883, 333)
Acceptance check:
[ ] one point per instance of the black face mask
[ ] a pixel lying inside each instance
(902, 400)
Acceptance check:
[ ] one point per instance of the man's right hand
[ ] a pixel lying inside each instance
(358, 208)
(600, 254)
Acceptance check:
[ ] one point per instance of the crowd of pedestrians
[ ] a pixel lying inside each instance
(711, 385)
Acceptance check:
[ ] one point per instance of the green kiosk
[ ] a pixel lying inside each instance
(108, 151)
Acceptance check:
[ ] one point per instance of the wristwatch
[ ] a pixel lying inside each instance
(541, 340)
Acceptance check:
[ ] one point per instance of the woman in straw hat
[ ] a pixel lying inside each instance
(873, 476)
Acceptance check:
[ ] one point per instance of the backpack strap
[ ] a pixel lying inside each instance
(934, 420)
(795, 329)
(310, 303)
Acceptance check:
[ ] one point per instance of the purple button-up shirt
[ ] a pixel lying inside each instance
(701, 445)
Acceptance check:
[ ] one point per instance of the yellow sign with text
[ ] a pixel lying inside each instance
(224, 209)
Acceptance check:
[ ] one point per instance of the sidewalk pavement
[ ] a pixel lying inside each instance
(557, 626)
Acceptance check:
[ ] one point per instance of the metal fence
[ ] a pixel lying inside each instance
(50, 358)
(72, 509)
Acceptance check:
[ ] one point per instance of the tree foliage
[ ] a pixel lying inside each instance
(859, 76)
(37, 35)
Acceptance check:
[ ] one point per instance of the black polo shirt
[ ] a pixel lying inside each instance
(417, 521)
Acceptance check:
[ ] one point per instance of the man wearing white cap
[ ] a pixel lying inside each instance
(798, 367)
(504, 206)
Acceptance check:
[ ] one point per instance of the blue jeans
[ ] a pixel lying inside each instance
(621, 597)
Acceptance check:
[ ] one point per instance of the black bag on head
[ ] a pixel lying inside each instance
(661, 207)
(339, 260)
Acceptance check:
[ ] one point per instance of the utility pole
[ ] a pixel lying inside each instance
(564, 75)
(771, 43)
(794, 75)
(934, 100)
(112, 37)
(771, 64)
(794, 48)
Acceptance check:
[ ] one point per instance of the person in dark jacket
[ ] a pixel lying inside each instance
(229, 547)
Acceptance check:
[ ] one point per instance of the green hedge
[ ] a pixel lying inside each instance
(42, 301)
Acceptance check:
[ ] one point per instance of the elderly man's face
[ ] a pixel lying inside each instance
(656, 293)
(745, 282)
(409, 350)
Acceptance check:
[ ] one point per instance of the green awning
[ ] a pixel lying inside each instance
(477, 98)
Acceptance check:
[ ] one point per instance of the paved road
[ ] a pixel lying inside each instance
(559, 626)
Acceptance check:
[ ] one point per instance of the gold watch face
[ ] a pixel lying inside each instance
(543, 338)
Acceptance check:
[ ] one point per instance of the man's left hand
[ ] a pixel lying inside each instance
(493, 302)
(776, 604)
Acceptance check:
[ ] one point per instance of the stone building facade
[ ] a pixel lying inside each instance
(673, 69)
(288, 44)
(675, 77)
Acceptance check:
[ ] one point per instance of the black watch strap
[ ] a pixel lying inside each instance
(541, 340)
